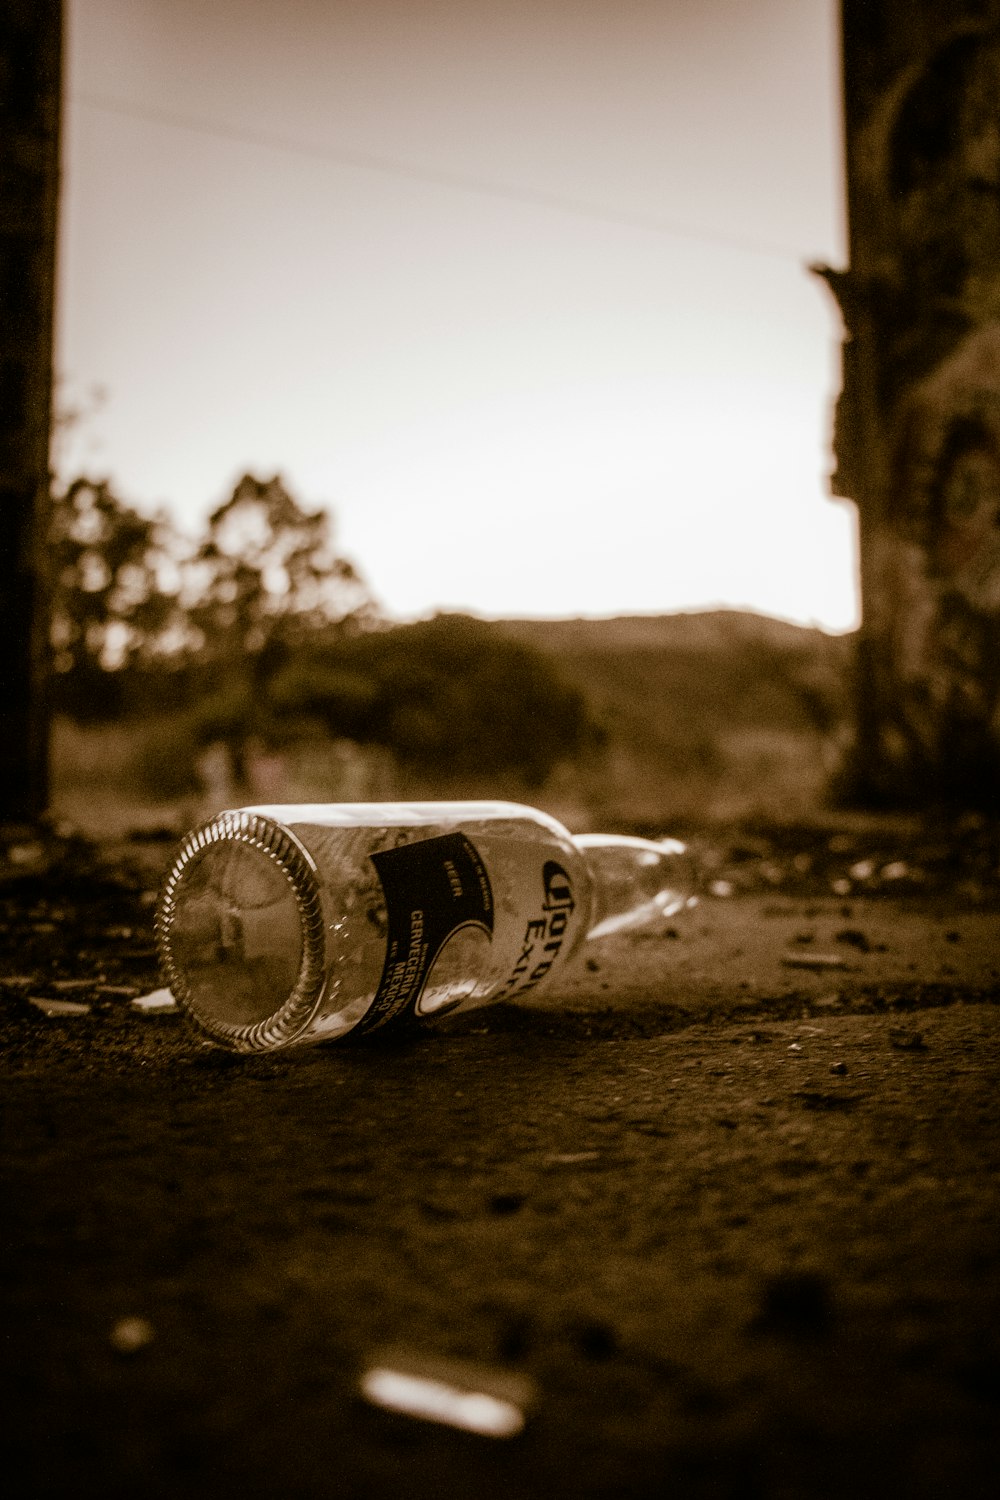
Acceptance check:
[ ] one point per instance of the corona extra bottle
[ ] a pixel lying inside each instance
(285, 925)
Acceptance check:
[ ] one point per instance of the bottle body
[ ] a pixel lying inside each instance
(292, 924)
(364, 916)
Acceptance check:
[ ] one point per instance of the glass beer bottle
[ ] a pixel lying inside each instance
(284, 925)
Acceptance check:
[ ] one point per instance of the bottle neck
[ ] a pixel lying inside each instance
(636, 883)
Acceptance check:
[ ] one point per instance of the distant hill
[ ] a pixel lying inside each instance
(720, 713)
(710, 629)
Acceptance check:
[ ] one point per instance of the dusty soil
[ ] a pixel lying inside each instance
(726, 1202)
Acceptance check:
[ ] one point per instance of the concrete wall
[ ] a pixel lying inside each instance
(917, 440)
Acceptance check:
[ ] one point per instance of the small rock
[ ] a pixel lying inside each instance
(30, 856)
(905, 1040)
(839, 1068)
(506, 1203)
(59, 1007)
(795, 1047)
(854, 938)
(155, 1003)
(129, 1335)
(596, 1339)
(470, 1396)
(721, 888)
(813, 961)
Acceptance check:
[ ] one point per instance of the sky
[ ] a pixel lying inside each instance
(518, 289)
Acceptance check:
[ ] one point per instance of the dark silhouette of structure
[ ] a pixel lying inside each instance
(917, 439)
(30, 67)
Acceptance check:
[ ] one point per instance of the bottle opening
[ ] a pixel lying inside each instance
(241, 933)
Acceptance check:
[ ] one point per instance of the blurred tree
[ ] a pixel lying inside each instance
(264, 581)
(116, 608)
(265, 635)
(450, 694)
(266, 571)
(145, 620)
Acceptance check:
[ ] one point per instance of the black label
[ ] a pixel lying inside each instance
(432, 889)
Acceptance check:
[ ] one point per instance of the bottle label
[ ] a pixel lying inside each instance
(544, 939)
(437, 895)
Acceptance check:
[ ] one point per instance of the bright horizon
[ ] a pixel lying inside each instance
(519, 291)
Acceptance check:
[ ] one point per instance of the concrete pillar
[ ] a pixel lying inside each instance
(30, 53)
(917, 438)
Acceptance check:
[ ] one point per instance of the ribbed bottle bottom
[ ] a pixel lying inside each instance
(240, 932)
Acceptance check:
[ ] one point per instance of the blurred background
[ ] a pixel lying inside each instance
(450, 400)
(502, 314)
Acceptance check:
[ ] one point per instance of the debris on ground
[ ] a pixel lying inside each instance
(813, 961)
(129, 1335)
(55, 1008)
(471, 1396)
(157, 1002)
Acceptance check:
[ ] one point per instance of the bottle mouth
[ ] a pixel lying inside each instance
(240, 932)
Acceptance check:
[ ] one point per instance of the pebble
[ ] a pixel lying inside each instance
(907, 1041)
(59, 1007)
(129, 1335)
(854, 938)
(156, 1003)
(473, 1397)
(813, 961)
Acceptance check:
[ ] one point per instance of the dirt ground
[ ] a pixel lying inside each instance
(717, 1217)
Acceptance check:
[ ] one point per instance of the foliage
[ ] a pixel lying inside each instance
(451, 693)
(115, 596)
(141, 615)
(266, 564)
(260, 633)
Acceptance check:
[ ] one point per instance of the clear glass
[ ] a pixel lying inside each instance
(285, 924)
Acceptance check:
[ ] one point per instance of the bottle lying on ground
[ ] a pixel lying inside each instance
(291, 924)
